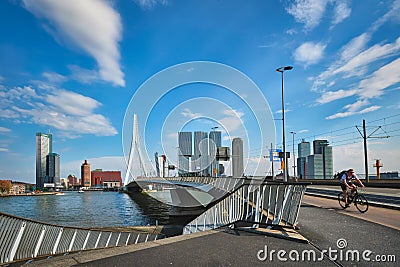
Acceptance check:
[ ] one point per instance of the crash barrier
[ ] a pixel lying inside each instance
(266, 202)
(23, 239)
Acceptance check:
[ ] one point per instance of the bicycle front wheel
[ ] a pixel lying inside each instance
(361, 203)
(342, 203)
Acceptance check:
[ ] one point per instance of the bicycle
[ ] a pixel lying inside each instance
(360, 201)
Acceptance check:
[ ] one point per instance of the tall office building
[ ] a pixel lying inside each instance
(53, 169)
(237, 157)
(303, 152)
(184, 152)
(321, 147)
(200, 154)
(215, 142)
(85, 174)
(43, 148)
(315, 167)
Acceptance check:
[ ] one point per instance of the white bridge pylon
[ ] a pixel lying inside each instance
(135, 147)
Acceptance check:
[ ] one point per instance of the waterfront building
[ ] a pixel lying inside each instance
(72, 180)
(52, 178)
(321, 147)
(85, 174)
(200, 154)
(215, 142)
(184, 152)
(107, 179)
(237, 157)
(43, 148)
(64, 183)
(303, 149)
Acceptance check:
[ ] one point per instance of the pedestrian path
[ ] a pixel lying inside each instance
(331, 239)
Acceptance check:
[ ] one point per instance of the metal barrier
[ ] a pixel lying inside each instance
(23, 239)
(259, 202)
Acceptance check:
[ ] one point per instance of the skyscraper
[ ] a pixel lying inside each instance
(85, 174)
(184, 152)
(200, 153)
(321, 147)
(237, 157)
(215, 141)
(43, 148)
(53, 169)
(304, 151)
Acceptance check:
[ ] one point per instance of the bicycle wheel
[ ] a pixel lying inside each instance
(361, 203)
(342, 203)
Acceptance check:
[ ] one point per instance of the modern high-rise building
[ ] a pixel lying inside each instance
(53, 169)
(43, 148)
(303, 149)
(85, 174)
(315, 167)
(321, 147)
(237, 157)
(185, 143)
(200, 153)
(184, 152)
(303, 152)
(214, 143)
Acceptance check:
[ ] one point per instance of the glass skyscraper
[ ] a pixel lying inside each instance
(43, 148)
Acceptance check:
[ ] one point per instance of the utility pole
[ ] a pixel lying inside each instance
(365, 152)
(365, 137)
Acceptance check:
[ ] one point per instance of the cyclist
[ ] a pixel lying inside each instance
(346, 182)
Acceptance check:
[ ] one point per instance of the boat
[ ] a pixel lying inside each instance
(81, 191)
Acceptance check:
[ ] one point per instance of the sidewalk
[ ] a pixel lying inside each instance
(341, 235)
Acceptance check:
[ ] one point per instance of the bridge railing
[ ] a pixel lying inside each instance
(23, 239)
(273, 203)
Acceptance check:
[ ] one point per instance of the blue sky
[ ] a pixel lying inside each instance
(72, 68)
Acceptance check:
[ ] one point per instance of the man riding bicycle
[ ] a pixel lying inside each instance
(346, 182)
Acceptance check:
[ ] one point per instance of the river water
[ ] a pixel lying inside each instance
(89, 209)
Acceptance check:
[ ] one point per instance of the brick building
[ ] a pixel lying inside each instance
(85, 174)
(107, 179)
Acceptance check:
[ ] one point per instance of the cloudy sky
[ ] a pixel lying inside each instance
(80, 69)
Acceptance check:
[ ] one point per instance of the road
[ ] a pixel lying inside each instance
(386, 217)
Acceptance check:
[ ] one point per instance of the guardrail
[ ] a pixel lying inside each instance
(23, 239)
(270, 203)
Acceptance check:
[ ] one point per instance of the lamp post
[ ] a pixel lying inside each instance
(282, 70)
(294, 157)
(209, 152)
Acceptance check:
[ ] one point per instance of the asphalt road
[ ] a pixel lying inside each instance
(387, 217)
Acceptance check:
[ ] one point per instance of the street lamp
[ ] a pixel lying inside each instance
(294, 157)
(213, 163)
(282, 70)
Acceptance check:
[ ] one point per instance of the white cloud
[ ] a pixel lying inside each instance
(342, 11)
(91, 25)
(353, 107)
(368, 56)
(308, 12)
(309, 53)
(187, 113)
(67, 111)
(53, 77)
(83, 75)
(354, 47)
(4, 130)
(330, 96)
(2, 149)
(149, 4)
(369, 109)
(381, 79)
(340, 115)
(232, 120)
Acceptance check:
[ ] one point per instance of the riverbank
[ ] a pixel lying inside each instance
(31, 194)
